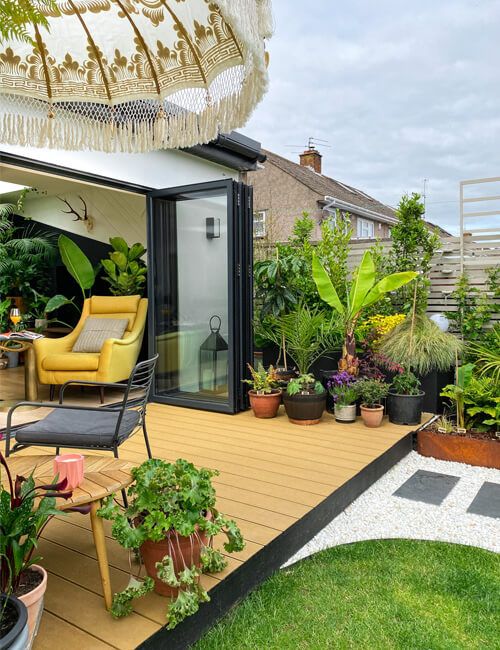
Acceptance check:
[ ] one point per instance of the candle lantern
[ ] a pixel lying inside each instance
(213, 361)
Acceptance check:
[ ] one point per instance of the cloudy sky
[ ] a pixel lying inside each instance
(401, 90)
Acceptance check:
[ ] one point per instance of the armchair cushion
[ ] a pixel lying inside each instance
(78, 428)
(97, 330)
(71, 361)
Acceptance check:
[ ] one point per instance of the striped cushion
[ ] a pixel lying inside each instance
(97, 330)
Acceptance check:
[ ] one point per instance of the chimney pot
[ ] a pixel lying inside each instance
(311, 158)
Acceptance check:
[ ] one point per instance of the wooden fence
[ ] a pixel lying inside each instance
(480, 253)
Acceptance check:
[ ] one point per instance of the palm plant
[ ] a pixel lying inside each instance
(419, 344)
(487, 355)
(365, 291)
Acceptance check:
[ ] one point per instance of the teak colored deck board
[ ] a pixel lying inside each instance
(273, 476)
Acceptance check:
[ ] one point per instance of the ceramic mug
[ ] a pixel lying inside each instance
(70, 467)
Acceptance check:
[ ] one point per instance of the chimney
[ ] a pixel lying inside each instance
(311, 158)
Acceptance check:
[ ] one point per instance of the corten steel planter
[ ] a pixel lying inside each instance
(460, 449)
(304, 409)
(184, 551)
(33, 601)
(265, 405)
(372, 417)
(405, 409)
(345, 413)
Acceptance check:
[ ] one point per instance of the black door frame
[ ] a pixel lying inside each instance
(239, 256)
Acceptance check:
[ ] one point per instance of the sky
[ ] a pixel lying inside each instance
(402, 91)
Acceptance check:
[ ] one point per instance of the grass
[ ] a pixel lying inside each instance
(388, 594)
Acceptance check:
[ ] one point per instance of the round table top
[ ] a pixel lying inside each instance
(102, 476)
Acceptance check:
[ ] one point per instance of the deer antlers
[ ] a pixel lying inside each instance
(84, 216)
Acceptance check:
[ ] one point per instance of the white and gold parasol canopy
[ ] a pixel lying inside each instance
(135, 75)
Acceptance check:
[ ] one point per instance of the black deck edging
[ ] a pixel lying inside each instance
(271, 557)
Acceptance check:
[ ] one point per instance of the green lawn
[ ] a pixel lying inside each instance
(372, 595)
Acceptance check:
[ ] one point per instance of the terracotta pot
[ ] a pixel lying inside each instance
(345, 413)
(265, 405)
(184, 551)
(473, 451)
(372, 417)
(304, 409)
(34, 602)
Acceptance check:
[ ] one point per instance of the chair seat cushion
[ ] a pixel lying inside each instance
(71, 361)
(75, 428)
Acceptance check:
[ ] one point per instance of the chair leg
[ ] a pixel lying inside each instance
(146, 439)
(57, 451)
(124, 491)
(52, 391)
(101, 394)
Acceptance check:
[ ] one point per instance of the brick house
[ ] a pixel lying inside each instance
(284, 189)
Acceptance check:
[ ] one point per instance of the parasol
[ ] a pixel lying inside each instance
(134, 75)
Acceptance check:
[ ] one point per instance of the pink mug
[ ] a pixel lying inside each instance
(70, 467)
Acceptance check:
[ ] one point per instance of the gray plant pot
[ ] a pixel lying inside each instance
(345, 413)
(13, 358)
(17, 637)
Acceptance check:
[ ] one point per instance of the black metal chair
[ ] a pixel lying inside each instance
(89, 427)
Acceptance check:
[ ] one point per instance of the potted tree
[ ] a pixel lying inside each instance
(171, 521)
(24, 513)
(372, 392)
(341, 387)
(265, 397)
(365, 291)
(404, 401)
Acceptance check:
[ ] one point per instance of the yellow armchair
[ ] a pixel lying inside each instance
(56, 363)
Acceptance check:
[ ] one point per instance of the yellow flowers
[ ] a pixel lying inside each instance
(377, 326)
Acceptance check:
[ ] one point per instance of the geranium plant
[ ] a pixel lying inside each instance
(168, 498)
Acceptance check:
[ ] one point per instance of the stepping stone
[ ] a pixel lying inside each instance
(429, 487)
(487, 501)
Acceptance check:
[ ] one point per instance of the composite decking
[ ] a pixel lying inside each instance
(279, 481)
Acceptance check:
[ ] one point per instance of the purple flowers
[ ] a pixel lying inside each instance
(340, 379)
(341, 387)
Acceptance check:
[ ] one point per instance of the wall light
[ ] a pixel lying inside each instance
(213, 227)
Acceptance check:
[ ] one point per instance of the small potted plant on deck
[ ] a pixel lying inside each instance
(404, 401)
(265, 396)
(372, 392)
(171, 521)
(342, 388)
(304, 400)
(25, 510)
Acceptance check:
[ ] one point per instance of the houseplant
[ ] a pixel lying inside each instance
(125, 271)
(365, 291)
(25, 510)
(304, 400)
(171, 521)
(473, 436)
(265, 397)
(372, 392)
(341, 386)
(404, 401)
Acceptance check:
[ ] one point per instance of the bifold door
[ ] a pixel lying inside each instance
(200, 290)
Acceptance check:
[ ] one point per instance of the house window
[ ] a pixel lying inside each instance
(259, 223)
(366, 229)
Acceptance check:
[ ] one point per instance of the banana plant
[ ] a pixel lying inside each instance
(365, 291)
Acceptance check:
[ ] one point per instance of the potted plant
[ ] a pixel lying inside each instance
(473, 435)
(265, 397)
(304, 400)
(366, 290)
(341, 387)
(11, 351)
(171, 521)
(372, 392)
(24, 513)
(125, 270)
(404, 401)
(14, 631)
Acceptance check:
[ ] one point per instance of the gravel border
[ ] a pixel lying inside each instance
(377, 514)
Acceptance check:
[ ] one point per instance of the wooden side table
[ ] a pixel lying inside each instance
(102, 476)
(30, 378)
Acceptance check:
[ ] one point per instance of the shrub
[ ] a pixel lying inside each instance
(371, 391)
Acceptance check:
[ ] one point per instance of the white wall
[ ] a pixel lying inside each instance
(156, 169)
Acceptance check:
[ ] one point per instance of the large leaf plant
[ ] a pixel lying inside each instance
(168, 498)
(365, 291)
(125, 269)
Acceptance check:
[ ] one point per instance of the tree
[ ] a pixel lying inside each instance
(413, 247)
(18, 16)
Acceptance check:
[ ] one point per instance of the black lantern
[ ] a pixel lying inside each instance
(213, 361)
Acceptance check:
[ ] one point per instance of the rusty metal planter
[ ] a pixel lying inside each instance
(460, 449)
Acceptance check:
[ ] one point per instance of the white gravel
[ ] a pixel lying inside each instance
(377, 514)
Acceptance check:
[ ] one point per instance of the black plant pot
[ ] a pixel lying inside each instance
(405, 409)
(432, 384)
(304, 409)
(17, 637)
